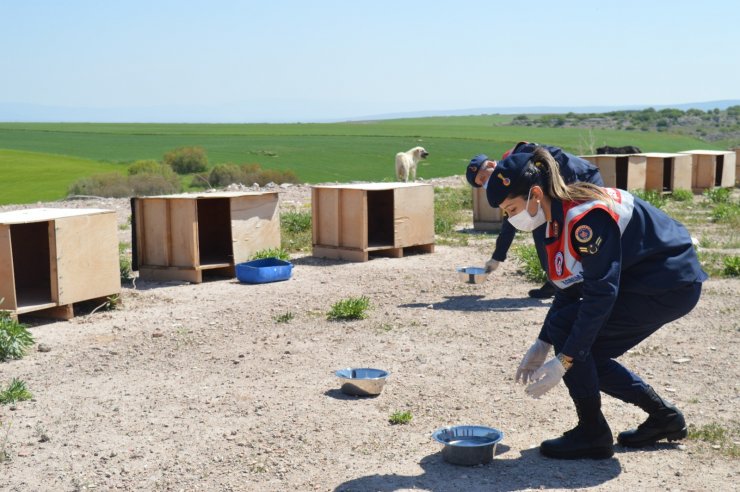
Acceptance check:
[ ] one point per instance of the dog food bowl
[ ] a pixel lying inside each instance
(468, 445)
(362, 381)
(263, 271)
(472, 275)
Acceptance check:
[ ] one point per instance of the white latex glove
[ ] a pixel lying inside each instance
(532, 360)
(545, 378)
(491, 265)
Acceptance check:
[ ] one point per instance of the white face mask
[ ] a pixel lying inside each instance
(525, 222)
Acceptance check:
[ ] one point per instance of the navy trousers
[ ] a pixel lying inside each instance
(633, 318)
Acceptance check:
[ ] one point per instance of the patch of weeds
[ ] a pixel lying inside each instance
(454, 239)
(15, 339)
(711, 262)
(727, 213)
(653, 197)
(295, 230)
(682, 196)
(278, 253)
(527, 257)
(41, 433)
(284, 318)
(386, 327)
(705, 242)
(732, 266)
(450, 206)
(718, 436)
(16, 391)
(349, 309)
(400, 418)
(4, 455)
(718, 195)
(124, 262)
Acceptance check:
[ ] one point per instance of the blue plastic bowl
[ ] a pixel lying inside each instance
(263, 271)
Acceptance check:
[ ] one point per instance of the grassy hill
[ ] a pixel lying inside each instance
(60, 153)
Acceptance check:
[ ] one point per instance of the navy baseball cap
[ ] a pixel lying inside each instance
(505, 176)
(473, 168)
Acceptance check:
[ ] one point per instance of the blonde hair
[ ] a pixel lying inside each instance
(557, 188)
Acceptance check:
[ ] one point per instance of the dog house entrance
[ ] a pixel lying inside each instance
(622, 167)
(718, 172)
(380, 223)
(31, 263)
(667, 174)
(214, 232)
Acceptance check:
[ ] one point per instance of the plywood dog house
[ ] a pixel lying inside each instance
(180, 237)
(624, 171)
(712, 168)
(350, 222)
(485, 217)
(667, 172)
(52, 258)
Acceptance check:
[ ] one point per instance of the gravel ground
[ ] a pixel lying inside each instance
(198, 387)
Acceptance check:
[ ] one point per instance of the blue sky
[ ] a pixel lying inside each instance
(307, 60)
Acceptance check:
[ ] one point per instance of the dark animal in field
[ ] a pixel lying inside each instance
(628, 149)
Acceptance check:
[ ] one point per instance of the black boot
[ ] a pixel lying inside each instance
(544, 292)
(664, 421)
(591, 438)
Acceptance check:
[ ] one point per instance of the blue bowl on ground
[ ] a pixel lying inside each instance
(263, 271)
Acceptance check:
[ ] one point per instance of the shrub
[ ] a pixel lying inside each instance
(655, 198)
(349, 309)
(145, 184)
(145, 166)
(718, 195)
(400, 418)
(726, 213)
(111, 185)
(225, 174)
(14, 338)
(185, 160)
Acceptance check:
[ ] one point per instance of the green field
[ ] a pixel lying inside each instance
(56, 154)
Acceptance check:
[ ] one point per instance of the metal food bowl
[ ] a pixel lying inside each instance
(468, 445)
(362, 381)
(472, 275)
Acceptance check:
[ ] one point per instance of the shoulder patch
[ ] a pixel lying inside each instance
(584, 234)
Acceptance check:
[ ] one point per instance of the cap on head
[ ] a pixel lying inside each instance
(504, 178)
(473, 168)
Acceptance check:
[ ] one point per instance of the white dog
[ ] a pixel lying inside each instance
(406, 163)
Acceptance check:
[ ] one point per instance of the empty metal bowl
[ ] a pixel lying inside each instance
(472, 275)
(362, 381)
(468, 445)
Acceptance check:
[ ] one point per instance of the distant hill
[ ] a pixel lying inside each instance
(267, 112)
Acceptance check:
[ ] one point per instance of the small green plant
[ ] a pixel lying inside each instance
(349, 309)
(718, 195)
(4, 456)
(682, 195)
(450, 207)
(284, 318)
(16, 391)
(400, 418)
(278, 253)
(717, 435)
(527, 257)
(727, 213)
(655, 198)
(732, 266)
(14, 338)
(295, 230)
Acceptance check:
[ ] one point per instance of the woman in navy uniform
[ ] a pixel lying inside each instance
(572, 169)
(622, 269)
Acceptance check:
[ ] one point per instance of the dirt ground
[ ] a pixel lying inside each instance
(197, 387)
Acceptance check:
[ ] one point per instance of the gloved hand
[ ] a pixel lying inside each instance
(545, 378)
(491, 265)
(532, 360)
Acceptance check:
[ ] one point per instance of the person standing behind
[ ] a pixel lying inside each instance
(622, 269)
(572, 169)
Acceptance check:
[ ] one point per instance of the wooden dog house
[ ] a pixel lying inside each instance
(667, 172)
(712, 168)
(623, 171)
(180, 237)
(485, 217)
(350, 222)
(52, 258)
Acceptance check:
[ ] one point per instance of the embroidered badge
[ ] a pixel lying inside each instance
(593, 249)
(473, 168)
(583, 249)
(504, 179)
(615, 194)
(559, 263)
(584, 233)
